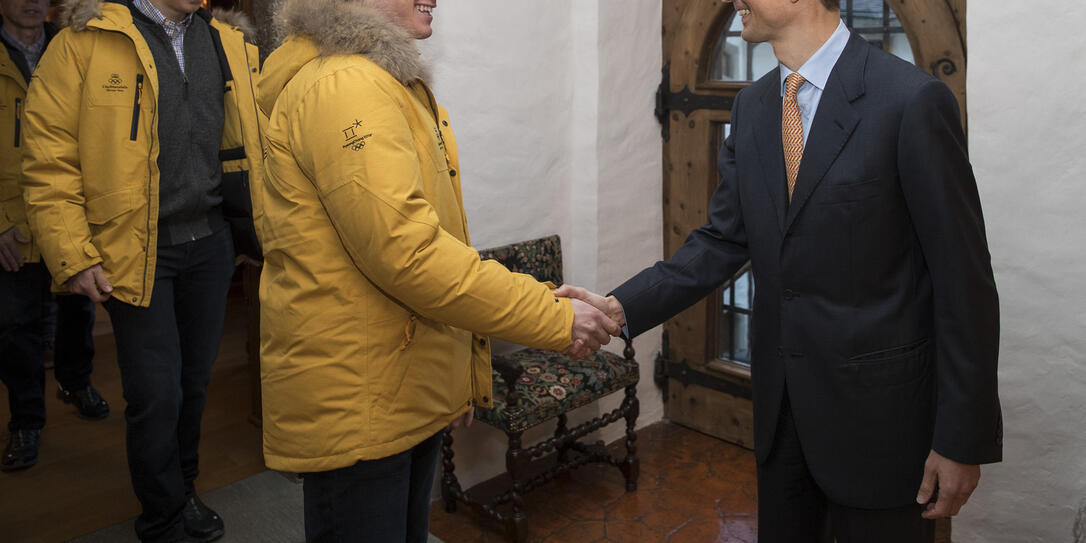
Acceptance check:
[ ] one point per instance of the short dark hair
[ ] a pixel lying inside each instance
(832, 5)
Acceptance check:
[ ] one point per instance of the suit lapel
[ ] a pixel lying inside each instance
(767, 134)
(833, 125)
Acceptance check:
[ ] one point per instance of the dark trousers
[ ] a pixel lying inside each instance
(792, 509)
(380, 501)
(165, 352)
(23, 295)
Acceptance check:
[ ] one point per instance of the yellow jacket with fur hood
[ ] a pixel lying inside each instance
(12, 103)
(90, 159)
(374, 308)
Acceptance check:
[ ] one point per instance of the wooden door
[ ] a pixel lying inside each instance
(705, 362)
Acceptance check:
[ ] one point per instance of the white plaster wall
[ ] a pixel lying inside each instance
(552, 107)
(502, 69)
(1027, 129)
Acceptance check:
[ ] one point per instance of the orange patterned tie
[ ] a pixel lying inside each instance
(792, 130)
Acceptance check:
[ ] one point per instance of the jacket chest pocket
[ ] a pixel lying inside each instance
(119, 105)
(114, 89)
(851, 192)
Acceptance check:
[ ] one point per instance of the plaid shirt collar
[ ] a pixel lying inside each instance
(152, 13)
(174, 31)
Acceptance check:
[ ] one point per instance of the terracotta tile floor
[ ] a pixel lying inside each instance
(692, 488)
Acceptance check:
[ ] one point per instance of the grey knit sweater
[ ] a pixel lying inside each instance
(190, 124)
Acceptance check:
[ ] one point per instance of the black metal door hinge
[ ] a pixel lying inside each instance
(664, 370)
(685, 101)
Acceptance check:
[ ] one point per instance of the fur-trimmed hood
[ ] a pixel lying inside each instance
(346, 27)
(77, 13)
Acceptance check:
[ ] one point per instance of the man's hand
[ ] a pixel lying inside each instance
(463, 420)
(953, 482)
(10, 256)
(610, 305)
(591, 330)
(91, 283)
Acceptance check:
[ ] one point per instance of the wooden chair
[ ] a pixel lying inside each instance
(531, 387)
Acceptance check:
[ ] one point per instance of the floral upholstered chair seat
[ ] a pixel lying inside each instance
(551, 384)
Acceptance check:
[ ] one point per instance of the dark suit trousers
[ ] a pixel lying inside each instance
(792, 508)
(23, 295)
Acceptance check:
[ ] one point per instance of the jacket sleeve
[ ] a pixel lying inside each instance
(52, 181)
(941, 194)
(709, 256)
(374, 197)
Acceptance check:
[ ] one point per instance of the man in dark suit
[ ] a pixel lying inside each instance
(846, 182)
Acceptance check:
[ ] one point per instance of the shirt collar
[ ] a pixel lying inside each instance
(817, 68)
(27, 50)
(151, 12)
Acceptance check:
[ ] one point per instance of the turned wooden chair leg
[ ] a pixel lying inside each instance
(559, 433)
(631, 466)
(450, 487)
(514, 462)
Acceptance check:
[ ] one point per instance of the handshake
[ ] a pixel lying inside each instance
(595, 320)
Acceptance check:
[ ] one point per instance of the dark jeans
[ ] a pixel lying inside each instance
(165, 352)
(380, 501)
(23, 295)
(792, 508)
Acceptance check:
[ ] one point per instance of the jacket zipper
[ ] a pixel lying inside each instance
(150, 181)
(18, 120)
(136, 102)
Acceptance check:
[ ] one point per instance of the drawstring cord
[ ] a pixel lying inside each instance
(408, 333)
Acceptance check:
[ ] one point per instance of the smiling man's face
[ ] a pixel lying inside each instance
(414, 16)
(764, 20)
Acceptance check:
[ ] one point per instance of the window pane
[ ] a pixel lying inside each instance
(741, 335)
(877, 23)
(734, 329)
(737, 60)
(744, 291)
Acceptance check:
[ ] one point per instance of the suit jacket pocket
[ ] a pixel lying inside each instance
(842, 193)
(893, 366)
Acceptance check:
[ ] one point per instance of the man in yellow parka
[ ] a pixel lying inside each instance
(24, 280)
(141, 132)
(375, 309)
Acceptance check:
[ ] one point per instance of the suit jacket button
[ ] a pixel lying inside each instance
(788, 294)
(780, 352)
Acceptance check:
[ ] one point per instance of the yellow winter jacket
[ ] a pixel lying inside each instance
(12, 104)
(374, 308)
(90, 162)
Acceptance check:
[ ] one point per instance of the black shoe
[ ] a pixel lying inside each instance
(22, 450)
(201, 523)
(88, 402)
